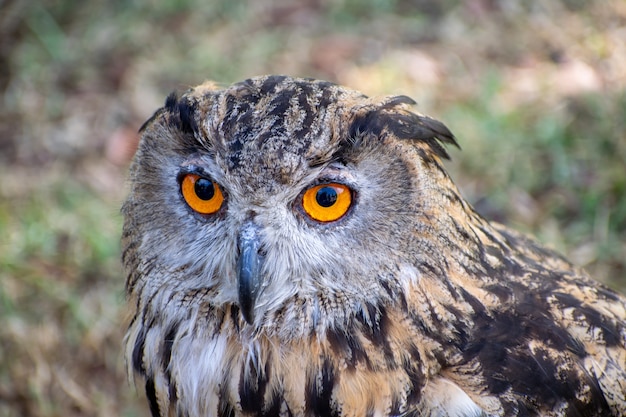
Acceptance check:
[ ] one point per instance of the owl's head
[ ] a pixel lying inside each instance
(285, 199)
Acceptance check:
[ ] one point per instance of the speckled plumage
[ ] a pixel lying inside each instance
(409, 305)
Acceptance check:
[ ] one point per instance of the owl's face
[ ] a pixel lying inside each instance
(285, 198)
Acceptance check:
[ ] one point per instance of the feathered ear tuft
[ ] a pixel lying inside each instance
(181, 111)
(394, 117)
(411, 126)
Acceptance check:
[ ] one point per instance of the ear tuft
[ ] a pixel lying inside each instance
(393, 117)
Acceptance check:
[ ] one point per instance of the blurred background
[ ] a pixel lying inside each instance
(534, 93)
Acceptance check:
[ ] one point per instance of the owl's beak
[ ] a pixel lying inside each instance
(249, 269)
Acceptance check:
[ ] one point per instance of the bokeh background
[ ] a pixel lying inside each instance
(534, 91)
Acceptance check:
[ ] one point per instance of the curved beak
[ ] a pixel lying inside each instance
(249, 267)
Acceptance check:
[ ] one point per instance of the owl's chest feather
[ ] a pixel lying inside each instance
(232, 372)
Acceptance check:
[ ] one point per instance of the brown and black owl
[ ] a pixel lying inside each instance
(295, 248)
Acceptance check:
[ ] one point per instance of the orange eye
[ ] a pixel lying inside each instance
(327, 202)
(202, 195)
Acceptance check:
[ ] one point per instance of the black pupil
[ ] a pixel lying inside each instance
(204, 189)
(326, 196)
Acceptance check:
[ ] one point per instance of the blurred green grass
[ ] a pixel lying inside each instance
(535, 94)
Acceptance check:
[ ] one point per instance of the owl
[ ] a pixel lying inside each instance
(296, 248)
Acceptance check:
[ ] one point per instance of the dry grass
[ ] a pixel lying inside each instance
(536, 96)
